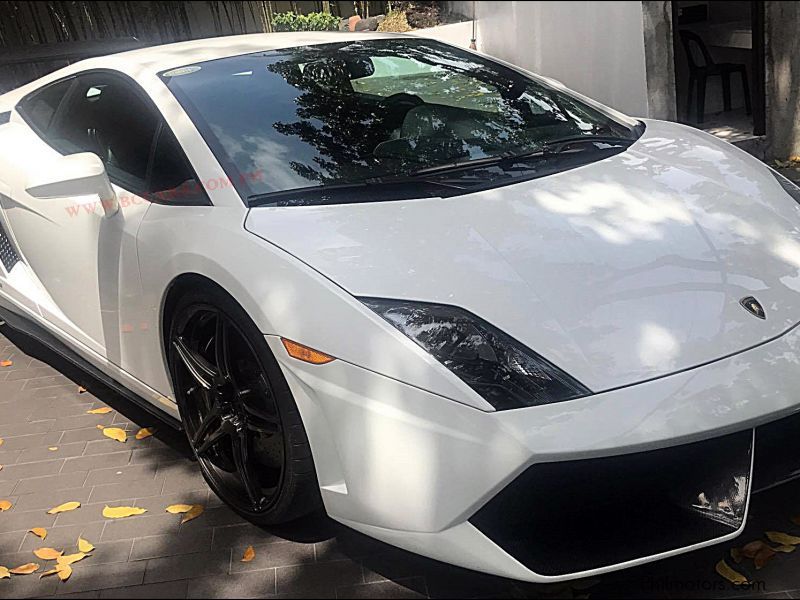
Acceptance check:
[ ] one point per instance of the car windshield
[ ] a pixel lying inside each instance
(343, 113)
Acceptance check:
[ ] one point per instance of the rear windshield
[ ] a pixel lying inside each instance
(343, 113)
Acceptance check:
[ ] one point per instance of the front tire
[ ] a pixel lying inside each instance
(238, 412)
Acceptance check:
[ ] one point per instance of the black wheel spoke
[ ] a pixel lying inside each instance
(263, 427)
(205, 426)
(212, 440)
(221, 350)
(252, 403)
(199, 368)
(242, 459)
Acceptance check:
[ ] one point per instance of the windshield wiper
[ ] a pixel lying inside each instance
(548, 149)
(487, 161)
(381, 188)
(559, 145)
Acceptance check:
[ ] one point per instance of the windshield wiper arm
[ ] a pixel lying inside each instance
(557, 146)
(345, 193)
(550, 148)
(486, 161)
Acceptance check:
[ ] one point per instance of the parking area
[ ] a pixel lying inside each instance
(54, 452)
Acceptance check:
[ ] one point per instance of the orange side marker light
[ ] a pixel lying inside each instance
(306, 354)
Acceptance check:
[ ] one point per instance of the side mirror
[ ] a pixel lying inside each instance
(75, 175)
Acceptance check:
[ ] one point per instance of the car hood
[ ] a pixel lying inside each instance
(620, 271)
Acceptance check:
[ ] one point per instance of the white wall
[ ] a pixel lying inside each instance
(457, 34)
(596, 48)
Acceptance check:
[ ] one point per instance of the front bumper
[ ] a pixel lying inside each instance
(440, 478)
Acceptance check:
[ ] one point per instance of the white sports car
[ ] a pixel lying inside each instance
(467, 311)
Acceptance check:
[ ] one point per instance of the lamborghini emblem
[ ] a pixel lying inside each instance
(753, 306)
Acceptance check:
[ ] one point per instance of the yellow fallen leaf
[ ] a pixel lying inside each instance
(25, 569)
(84, 546)
(100, 411)
(249, 554)
(47, 553)
(66, 507)
(122, 512)
(753, 548)
(784, 539)
(5, 573)
(1, 467)
(734, 577)
(145, 433)
(195, 512)
(785, 549)
(53, 448)
(2, 441)
(179, 509)
(764, 555)
(101, 426)
(71, 558)
(115, 433)
(6, 363)
(5, 505)
(39, 532)
(81, 390)
(64, 572)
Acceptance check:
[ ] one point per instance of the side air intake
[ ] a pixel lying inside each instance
(8, 256)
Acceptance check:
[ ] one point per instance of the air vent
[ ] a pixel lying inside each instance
(5, 117)
(8, 256)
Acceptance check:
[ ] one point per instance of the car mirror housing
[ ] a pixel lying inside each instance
(81, 174)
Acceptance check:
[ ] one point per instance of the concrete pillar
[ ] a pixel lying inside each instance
(659, 59)
(783, 78)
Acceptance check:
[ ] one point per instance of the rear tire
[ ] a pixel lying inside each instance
(239, 415)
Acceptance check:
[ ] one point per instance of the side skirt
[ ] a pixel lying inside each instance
(37, 333)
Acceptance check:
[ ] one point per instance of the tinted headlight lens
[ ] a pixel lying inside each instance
(791, 188)
(503, 371)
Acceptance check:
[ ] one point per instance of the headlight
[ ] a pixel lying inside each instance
(792, 189)
(503, 371)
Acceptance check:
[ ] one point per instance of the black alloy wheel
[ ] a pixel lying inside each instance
(233, 418)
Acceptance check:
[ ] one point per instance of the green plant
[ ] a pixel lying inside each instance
(320, 21)
(286, 21)
(316, 21)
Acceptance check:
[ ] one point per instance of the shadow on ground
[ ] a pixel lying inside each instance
(154, 556)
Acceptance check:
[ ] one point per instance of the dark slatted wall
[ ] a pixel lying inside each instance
(76, 29)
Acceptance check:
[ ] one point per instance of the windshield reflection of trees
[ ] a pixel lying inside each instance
(357, 135)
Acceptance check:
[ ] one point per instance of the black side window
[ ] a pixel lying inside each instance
(172, 180)
(40, 108)
(104, 115)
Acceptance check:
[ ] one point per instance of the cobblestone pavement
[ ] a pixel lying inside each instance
(53, 452)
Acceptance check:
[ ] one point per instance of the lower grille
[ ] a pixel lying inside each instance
(569, 517)
(8, 256)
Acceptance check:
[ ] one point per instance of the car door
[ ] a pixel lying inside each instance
(84, 259)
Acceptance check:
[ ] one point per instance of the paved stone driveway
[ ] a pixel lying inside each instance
(153, 556)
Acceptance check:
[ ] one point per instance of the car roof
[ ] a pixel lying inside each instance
(168, 56)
